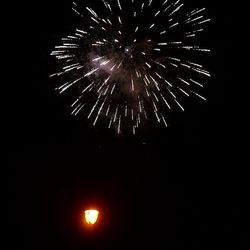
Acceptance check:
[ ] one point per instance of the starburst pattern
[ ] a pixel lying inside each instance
(132, 61)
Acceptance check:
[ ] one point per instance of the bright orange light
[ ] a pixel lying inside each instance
(91, 216)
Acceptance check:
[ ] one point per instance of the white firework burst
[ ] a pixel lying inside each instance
(131, 61)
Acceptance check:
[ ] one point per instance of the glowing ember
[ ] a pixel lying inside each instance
(91, 216)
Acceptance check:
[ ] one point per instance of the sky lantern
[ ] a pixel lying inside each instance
(91, 216)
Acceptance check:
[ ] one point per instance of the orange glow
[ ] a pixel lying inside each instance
(91, 216)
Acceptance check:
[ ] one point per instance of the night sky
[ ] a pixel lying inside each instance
(163, 188)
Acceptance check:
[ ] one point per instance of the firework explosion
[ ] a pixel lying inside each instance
(132, 61)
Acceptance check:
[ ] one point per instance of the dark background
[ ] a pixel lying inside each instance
(175, 188)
